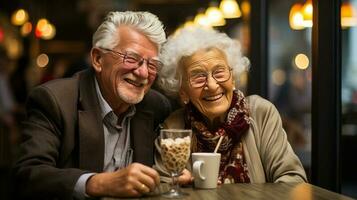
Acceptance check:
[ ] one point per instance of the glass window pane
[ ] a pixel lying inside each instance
(289, 77)
(349, 97)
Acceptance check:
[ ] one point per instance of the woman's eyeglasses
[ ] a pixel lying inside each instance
(199, 79)
(135, 61)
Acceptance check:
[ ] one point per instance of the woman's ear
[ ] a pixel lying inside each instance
(97, 59)
(185, 99)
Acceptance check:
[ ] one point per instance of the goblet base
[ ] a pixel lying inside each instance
(174, 194)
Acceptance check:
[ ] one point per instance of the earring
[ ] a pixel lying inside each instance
(185, 102)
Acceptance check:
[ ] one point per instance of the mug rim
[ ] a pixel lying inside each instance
(205, 153)
(175, 130)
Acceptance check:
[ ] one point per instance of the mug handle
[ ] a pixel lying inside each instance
(197, 168)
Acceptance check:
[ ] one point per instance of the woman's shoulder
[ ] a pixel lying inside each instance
(261, 109)
(258, 104)
(175, 119)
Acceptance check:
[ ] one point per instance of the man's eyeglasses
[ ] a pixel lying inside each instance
(134, 61)
(199, 79)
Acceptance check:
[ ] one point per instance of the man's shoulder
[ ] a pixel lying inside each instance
(63, 92)
(61, 86)
(153, 97)
(156, 103)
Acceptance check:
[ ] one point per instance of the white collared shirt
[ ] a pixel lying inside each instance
(117, 151)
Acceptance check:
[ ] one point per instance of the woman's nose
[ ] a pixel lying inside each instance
(211, 83)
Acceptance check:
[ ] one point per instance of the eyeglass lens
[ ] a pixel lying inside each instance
(199, 79)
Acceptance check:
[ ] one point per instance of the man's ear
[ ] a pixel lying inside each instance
(97, 59)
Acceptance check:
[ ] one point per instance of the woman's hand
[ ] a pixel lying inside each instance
(186, 177)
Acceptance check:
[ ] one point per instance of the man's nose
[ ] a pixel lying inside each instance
(142, 70)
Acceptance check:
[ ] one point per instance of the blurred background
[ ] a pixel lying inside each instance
(42, 40)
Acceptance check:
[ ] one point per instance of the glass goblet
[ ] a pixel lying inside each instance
(175, 152)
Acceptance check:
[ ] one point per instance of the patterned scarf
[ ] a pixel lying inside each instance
(233, 168)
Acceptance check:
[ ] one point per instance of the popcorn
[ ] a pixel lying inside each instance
(175, 153)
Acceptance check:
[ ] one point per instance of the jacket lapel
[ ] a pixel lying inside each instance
(91, 135)
(142, 137)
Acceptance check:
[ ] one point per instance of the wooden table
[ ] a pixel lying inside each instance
(271, 191)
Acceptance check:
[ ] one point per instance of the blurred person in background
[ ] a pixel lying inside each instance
(92, 135)
(83, 63)
(8, 133)
(201, 68)
(55, 71)
(7, 102)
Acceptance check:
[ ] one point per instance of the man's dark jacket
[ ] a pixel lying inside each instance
(63, 136)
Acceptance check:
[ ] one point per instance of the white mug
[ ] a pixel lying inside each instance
(205, 168)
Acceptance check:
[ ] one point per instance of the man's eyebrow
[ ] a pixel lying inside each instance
(136, 54)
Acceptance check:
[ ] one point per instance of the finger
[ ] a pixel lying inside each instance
(185, 178)
(148, 181)
(151, 173)
(145, 175)
(132, 193)
(142, 188)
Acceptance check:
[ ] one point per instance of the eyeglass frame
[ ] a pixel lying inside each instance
(138, 63)
(206, 73)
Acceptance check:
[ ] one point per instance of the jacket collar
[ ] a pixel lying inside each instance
(91, 135)
(142, 137)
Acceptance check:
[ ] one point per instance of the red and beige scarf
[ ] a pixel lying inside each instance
(233, 168)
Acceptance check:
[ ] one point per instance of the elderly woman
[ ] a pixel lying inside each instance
(202, 68)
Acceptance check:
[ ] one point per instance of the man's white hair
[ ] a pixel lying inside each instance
(107, 35)
(188, 41)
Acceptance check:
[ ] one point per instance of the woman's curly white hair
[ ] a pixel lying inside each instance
(188, 41)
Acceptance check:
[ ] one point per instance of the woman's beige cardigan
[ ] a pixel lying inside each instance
(268, 154)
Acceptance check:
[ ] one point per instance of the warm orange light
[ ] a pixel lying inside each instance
(44, 29)
(307, 11)
(230, 9)
(301, 61)
(19, 17)
(41, 24)
(26, 29)
(201, 20)
(14, 48)
(348, 15)
(42, 60)
(296, 18)
(1, 35)
(278, 77)
(245, 5)
(189, 24)
(48, 32)
(38, 33)
(215, 16)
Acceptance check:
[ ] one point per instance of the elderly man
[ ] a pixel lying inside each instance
(92, 135)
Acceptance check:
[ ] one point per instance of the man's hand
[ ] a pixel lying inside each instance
(185, 178)
(132, 181)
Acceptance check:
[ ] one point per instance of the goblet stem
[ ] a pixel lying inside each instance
(175, 187)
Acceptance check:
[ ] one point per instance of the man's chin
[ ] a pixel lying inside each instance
(132, 98)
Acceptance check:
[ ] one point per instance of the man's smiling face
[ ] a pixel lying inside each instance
(119, 82)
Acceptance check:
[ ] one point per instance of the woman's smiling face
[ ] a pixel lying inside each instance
(213, 99)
